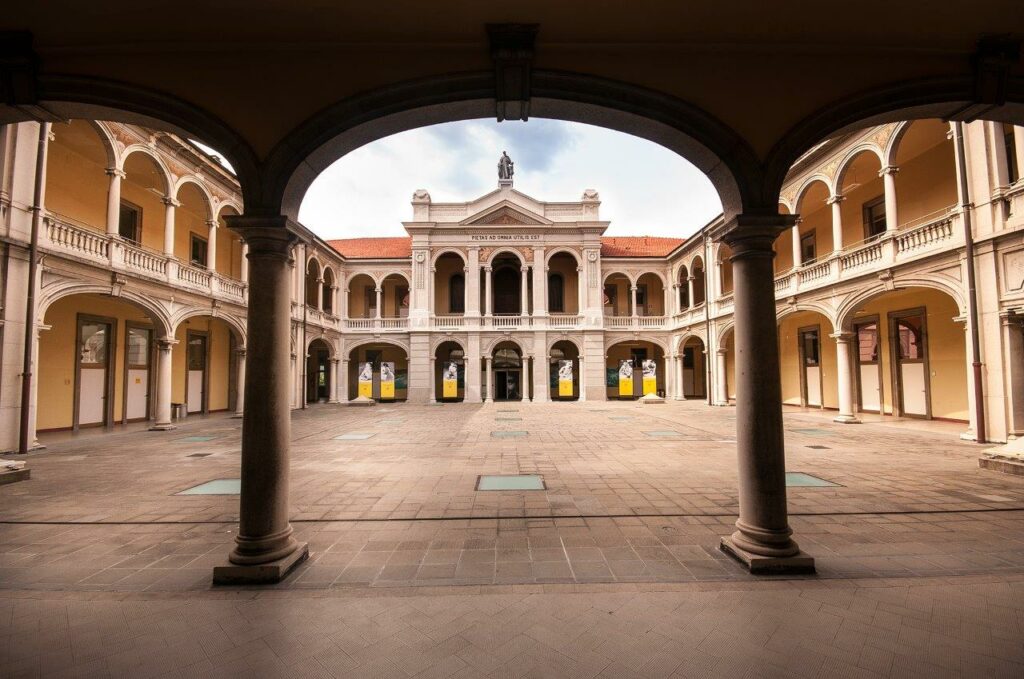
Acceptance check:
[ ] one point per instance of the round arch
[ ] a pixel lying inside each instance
(506, 251)
(236, 325)
(785, 310)
(492, 345)
(169, 188)
(563, 251)
(848, 160)
(436, 344)
(687, 337)
(214, 212)
(441, 252)
(697, 258)
(566, 338)
(332, 345)
(844, 314)
(612, 340)
(228, 205)
(617, 272)
(807, 185)
(163, 325)
(404, 275)
(404, 346)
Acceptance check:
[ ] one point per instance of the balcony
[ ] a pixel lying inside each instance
(635, 322)
(76, 241)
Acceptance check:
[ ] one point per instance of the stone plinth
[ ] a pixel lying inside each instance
(260, 574)
(800, 564)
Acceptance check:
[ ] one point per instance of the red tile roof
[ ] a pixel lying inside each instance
(639, 246)
(401, 248)
(373, 248)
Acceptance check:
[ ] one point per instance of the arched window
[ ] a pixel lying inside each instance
(328, 291)
(556, 293)
(457, 294)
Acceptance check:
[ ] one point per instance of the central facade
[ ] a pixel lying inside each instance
(512, 291)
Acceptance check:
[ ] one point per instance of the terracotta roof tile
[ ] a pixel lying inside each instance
(373, 248)
(639, 246)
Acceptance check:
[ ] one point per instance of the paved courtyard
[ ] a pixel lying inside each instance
(612, 570)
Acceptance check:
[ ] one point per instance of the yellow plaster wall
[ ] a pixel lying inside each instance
(153, 211)
(389, 353)
(947, 353)
(622, 301)
(926, 184)
(566, 266)
(655, 294)
(784, 252)
(189, 217)
(446, 266)
(852, 207)
(390, 296)
(357, 286)
(789, 358)
(817, 219)
(218, 348)
(58, 347)
(621, 352)
(76, 184)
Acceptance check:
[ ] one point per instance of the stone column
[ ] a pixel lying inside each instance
(689, 291)
(634, 312)
(378, 292)
(721, 378)
(488, 371)
(169, 205)
(245, 262)
(472, 386)
(320, 292)
(797, 254)
(334, 381)
(433, 379)
(342, 380)
(680, 385)
(265, 549)
(582, 378)
(762, 540)
(666, 306)
(239, 382)
(162, 411)
(524, 302)
(211, 245)
(344, 302)
(836, 202)
(581, 292)
(488, 293)
(844, 376)
(888, 174)
(525, 390)
(114, 200)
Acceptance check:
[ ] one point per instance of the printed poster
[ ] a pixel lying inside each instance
(450, 380)
(565, 378)
(626, 377)
(366, 380)
(650, 369)
(387, 380)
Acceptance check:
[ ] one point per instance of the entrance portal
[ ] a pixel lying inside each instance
(508, 370)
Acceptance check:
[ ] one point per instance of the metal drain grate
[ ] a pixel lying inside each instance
(802, 480)
(510, 482)
(215, 487)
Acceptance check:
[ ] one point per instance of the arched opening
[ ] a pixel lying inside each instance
(449, 372)
(230, 257)
(699, 283)
(683, 282)
(314, 284)
(634, 369)
(395, 296)
(926, 185)
(910, 355)
(565, 371)
(650, 295)
(507, 298)
(783, 247)
(387, 363)
(563, 284)
(192, 230)
(327, 291)
(618, 295)
(509, 381)
(96, 363)
(76, 179)
(807, 361)
(814, 225)
(140, 217)
(694, 368)
(204, 370)
(449, 285)
(724, 269)
(362, 296)
(318, 372)
(863, 207)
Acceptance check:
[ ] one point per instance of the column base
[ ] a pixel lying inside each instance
(260, 574)
(846, 419)
(163, 427)
(237, 416)
(799, 564)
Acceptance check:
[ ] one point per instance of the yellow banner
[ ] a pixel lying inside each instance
(450, 380)
(387, 380)
(366, 380)
(625, 378)
(565, 378)
(650, 384)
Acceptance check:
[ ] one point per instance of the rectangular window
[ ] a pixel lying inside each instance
(1012, 171)
(610, 297)
(371, 303)
(809, 340)
(138, 348)
(197, 248)
(129, 225)
(874, 218)
(808, 248)
(867, 342)
(402, 301)
(641, 300)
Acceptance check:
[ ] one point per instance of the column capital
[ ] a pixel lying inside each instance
(266, 236)
(212, 223)
(843, 336)
(835, 198)
(116, 172)
(165, 343)
(170, 201)
(240, 351)
(755, 234)
(888, 169)
(488, 269)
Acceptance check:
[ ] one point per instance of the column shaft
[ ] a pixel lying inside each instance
(1018, 149)
(334, 381)
(689, 291)
(632, 297)
(797, 259)
(240, 382)
(837, 222)
(114, 201)
(379, 292)
(889, 183)
(162, 411)
(680, 385)
(342, 379)
(169, 205)
(211, 247)
(721, 379)
(524, 306)
(844, 376)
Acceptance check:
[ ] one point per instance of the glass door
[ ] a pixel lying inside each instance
(869, 367)
(810, 359)
(195, 397)
(137, 376)
(910, 360)
(93, 396)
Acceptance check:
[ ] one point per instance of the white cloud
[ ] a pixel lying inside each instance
(645, 189)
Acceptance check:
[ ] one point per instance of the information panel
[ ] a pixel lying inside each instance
(450, 380)
(366, 380)
(650, 376)
(626, 377)
(387, 380)
(565, 378)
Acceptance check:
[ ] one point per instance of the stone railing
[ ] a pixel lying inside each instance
(196, 277)
(783, 283)
(75, 240)
(394, 324)
(143, 261)
(447, 322)
(563, 321)
(861, 255)
(815, 271)
(924, 235)
(375, 324)
(360, 323)
(508, 321)
(651, 322)
(618, 321)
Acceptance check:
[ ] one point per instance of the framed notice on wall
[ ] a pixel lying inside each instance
(650, 369)
(366, 380)
(387, 380)
(565, 378)
(626, 377)
(450, 380)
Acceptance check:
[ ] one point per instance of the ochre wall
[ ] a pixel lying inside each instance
(447, 266)
(622, 351)
(76, 184)
(139, 188)
(357, 286)
(390, 296)
(926, 184)
(189, 217)
(389, 353)
(947, 353)
(58, 347)
(655, 295)
(566, 266)
(852, 207)
(621, 301)
(789, 357)
(219, 349)
(784, 252)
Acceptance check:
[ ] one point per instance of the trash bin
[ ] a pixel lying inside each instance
(177, 411)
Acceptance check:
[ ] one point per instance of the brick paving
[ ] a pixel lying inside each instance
(612, 571)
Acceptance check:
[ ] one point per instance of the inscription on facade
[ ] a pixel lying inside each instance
(506, 236)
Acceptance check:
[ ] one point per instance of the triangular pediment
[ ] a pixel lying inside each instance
(505, 213)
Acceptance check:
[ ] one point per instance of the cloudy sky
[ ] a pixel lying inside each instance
(645, 189)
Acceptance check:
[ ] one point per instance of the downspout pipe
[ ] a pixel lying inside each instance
(30, 298)
(710, 381)
(972, 294)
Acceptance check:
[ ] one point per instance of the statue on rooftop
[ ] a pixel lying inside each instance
(505, 167)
